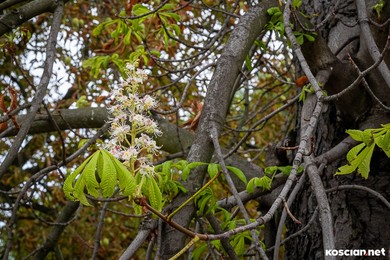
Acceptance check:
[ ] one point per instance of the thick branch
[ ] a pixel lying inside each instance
(18, 16)
(173, 140)
(215, 108)
(369, 39)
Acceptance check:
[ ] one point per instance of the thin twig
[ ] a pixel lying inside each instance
(41, 90)
(214, 136)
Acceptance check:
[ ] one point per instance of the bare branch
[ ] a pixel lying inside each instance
(143, 233)
(36, 177)
(369, 39)
(214, 136)
(99, 229)
(66, 216)
(41, 89)
(282, 220)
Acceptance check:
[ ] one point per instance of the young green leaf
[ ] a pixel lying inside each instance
(153, 193)
(126, 180)
(213, 169)
(68, 184)
(238, 244)
(166, 167)
(270, 170)
(187, 169)
(352, 154)
(285, 169)
(240, 175)
(140, 9)
(367, 136)
(250, 187)
(109, 176)
(198, 251)
(78, 192)
(364, 167)
(89, 176)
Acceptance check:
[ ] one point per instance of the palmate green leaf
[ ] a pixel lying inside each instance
(270, 170)
(248, 63)
(264, 182)
(383, 142)
(127, 38)
(140, 9)
(166, 167)
(109, 176)
(170, 188)
(167, 7)
(240, 175)
(99, 166)
(287, 169)
(364, 166)
(346, 169)
(137, 208)
(274, 11)
(355, 134)
(89, 176)
(250, 187)
(68, 184)
(174, 16)
(180, 165)
(361, 163)
(126, 180)
(79, 191)
(98, 30)
(238, 244)
(352, 154)
(153, 193)
(206, 201)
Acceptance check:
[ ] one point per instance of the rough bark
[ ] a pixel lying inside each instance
(361, 221)
(215, 108)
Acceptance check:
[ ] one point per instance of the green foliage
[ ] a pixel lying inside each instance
(238, 242)
(307, 89)
(82, 102)
(378, 8)
(198, 251)
(300, 37)
(98, 176)
(153, 193)
(125, 32)
(206, 202)
(265, 182)
(240, 175)
(168, 176)
(97, 63)
(359, 157)
(276, 24)
(296, 4)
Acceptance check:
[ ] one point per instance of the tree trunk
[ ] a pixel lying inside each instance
(361, 220)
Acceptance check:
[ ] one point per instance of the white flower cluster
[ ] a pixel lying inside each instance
(132, 143)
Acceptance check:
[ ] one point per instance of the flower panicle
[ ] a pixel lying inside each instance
(130, 142)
